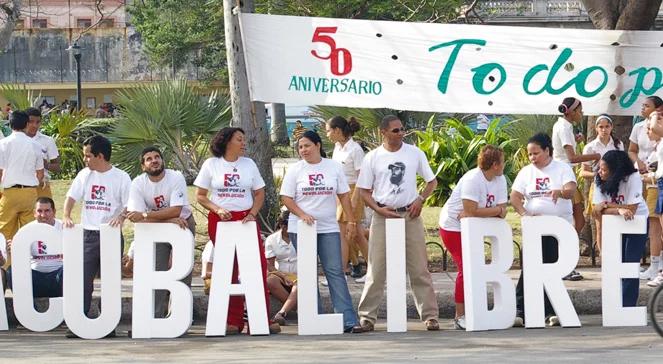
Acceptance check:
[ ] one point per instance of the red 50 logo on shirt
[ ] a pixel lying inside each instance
(98, 192)
(41, 248)
(490, 200)
(618, 200)
(543, 184)
(337, 56)
(316, 179)
(160, 201)
(230, 180)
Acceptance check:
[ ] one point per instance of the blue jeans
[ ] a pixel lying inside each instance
(43, 284)
(329, 252)
(633, 245)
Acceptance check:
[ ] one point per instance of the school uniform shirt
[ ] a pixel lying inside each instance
(207, 257)
(314, 188)
(350, 157)
(231, 183)
(171, 191)
(639, 136)
(42, 257)
(475, 187)
(536, 185)
(49, 150)
(284, 252)
(628, 193)
(102, 195)
(596, 146)
(393, 175)
(20, 159)
(562, 134)
(658, 153)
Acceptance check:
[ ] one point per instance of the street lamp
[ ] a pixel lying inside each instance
(75, 49)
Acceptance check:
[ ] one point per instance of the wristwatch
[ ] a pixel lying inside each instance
(144, 215)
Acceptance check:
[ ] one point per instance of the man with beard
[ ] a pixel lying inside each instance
(160, 195)
(388, 185)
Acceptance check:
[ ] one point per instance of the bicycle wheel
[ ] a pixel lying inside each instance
(656, 309)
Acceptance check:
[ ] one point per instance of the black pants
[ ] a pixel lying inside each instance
(550, 253)
(91, 264)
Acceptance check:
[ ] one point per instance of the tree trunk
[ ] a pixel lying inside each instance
(11, 12)
(248, 115)
(279, 129)
(621, 15)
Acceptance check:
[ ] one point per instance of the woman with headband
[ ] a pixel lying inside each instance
(642, 150)
(564, 150)
(603, 143)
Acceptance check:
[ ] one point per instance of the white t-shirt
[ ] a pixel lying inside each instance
(350, 156)
(42, 258)
(20, 159)
(104, 195)
(314, 188)
(472, 186)
(171, 191)
(535, 184)
(628, 193)
(639, 136)
(231, 184)
(658, 155)
(49, 149)
(562, 134)
(393, 175)
(285, 253)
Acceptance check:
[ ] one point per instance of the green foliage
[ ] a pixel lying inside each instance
(70, 131)
(453, 150)
(19, 96)
(171, 116)
(522, 128)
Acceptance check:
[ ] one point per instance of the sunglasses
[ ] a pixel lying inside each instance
(397, 130)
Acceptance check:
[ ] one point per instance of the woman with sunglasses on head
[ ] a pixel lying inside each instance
(642, 150)
(564, 150)
(350, 155)
(309, 191)
(603, 143)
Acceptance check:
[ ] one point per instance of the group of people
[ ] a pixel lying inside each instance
(330, 194)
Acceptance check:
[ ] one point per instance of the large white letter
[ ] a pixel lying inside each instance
(613, 270)
(539, 276)
(234, 237)
(396, 289)
(477, 274)
(22, 277)
(309, 320)
(111, 285)
(147, 280)
(4, 323)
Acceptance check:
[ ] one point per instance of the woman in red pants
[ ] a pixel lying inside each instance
(237, 194)
(481, 192)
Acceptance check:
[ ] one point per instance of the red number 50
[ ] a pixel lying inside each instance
(335, 53)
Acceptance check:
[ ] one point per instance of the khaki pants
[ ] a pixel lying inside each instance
(44, 191)
(16, 210)
(416, 265)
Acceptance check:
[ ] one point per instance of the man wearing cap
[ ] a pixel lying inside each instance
(388, 183)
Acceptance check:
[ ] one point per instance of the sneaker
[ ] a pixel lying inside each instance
(367, 326)
(573, 276)
(656, 281)
(459, 323)
(552, 321)
(519, 322)
(280, 318)
(356, 271)
(356, 329)
(650, 273)
(361, 279)
(432, 325)
(274, 328)
(324, 282)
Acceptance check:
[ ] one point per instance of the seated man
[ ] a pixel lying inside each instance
(46, 267)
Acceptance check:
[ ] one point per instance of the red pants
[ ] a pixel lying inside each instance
(451, 240)
(236, 304)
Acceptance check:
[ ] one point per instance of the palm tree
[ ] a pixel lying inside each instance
(172, 116)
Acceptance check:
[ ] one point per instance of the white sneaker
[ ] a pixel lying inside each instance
(361, 279)
(650, 273)
(324, 282)
(459, 323)
(657, 281)
(518, 322)
(553, 321)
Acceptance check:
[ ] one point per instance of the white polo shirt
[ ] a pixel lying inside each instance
(562, 135)
(284, 252)
(20, 159)
(350, 156)
(48, 149)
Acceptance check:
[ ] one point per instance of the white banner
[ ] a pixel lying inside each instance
(448, 67)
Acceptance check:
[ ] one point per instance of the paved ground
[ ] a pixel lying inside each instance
(590, 342)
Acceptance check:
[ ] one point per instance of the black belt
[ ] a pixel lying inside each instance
(20, 186)
(399, 209)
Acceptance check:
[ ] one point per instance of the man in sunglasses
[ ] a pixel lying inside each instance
(388, 183)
